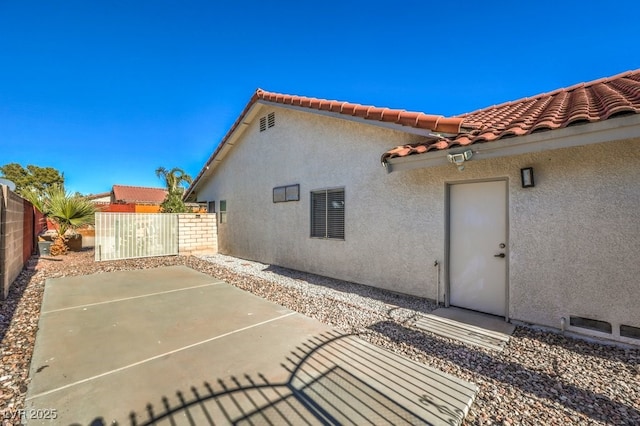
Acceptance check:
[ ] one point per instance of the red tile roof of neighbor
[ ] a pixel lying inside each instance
(138, 194)
(585, 102)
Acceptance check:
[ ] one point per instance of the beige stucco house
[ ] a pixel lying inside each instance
(528, 210)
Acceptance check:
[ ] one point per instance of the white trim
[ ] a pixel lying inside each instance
(621, 128)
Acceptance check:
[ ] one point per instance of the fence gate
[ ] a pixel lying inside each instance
(130, 235)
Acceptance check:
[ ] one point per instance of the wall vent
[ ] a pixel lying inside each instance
(590, 324)
(268, 121)
(629, 331)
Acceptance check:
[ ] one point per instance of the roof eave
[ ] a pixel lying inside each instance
(247, 115)
(238, 127)
(384, 124)
(621, 128)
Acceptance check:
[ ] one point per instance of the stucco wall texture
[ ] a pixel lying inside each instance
(573, 239)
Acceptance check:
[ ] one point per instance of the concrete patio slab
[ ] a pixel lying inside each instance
(172, 345)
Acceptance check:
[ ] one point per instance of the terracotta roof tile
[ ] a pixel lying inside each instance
(138, 194)
(436, 123)
(585, 102)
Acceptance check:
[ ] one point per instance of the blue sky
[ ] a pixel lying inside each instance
(107, 91)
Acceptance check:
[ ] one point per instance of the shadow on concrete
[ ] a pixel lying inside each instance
(332, 380)
(538, 383)
(386, 296)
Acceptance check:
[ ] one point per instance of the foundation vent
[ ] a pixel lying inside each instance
(629, 331)
(590, 324)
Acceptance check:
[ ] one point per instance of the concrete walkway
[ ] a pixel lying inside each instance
(172, 345)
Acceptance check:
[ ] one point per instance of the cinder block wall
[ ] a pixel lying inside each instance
(11, 238)
(197, 234)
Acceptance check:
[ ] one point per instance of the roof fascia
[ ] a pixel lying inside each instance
(383, 124)
(229, 140)
(614, 129)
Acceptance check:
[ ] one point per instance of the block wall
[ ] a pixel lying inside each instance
(197, 234)
(11, 238)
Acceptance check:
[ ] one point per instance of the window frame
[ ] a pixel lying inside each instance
(211, 206)
(291, 193)
(223, 211)
(329, 233)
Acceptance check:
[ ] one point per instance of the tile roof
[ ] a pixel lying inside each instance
(419, 120)
(138, 194)
(582, 103)
(100, 195)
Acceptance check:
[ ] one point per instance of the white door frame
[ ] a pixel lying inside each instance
(447, 240)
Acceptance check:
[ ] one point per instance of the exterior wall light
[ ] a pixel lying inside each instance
(459, 159)
(526, 177)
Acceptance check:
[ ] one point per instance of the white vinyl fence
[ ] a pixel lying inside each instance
(130, 235)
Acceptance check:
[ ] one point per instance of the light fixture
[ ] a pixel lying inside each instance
(459, 159)
(526, 177)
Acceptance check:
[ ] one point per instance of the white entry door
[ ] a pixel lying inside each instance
(477, 244)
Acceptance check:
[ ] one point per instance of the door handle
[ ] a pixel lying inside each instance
(499, 255)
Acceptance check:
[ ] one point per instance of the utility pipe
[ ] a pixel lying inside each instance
(436, 264)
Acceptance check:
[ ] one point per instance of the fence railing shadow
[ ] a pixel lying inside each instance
(538, 383)
(333, 379)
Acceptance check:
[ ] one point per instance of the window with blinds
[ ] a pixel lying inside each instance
(327, 214)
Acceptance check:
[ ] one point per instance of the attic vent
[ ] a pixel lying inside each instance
(268, 121)
(591, 324)
(629, 331)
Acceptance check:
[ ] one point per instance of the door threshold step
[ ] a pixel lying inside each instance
(464, 332)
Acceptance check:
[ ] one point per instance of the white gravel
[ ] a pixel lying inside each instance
(540, 377)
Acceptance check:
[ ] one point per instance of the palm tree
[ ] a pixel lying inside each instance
(67, 211)
(173, 178)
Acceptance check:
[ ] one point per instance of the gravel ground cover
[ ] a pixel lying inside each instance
(540, 378)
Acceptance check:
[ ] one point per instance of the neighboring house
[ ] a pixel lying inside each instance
(298, 182)
(102, 198)
(136, 199)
